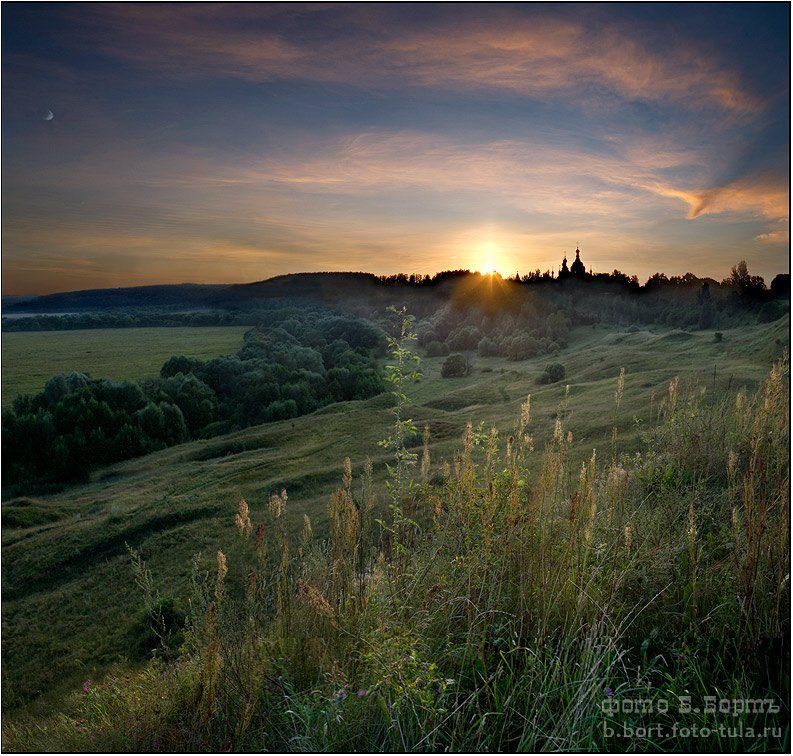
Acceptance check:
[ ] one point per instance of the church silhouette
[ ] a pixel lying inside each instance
(576, 270)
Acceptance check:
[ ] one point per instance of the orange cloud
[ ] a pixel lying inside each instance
(525, 56)
(761, 196)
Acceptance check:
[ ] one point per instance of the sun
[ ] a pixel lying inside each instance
(487, 256)
(490, 254)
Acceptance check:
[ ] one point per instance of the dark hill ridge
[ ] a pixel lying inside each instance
(358, 291)
(160, 295)
(315, 286)
(319, 287)
(325, 287)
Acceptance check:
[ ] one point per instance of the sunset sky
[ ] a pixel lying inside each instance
(224, 143)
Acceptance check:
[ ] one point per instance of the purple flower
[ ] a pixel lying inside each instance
(340, 695)
(361, 693)
(86, 686)
(609, 693)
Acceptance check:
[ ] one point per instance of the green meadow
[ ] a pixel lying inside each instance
(30, 359)
(71, 606)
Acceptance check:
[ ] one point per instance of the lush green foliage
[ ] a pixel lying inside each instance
(298, 364)
(553, 373)
(31, 359)
(454, 366)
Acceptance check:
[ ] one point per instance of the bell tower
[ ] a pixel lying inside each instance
(577, 268)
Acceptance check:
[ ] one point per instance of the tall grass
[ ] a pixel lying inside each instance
(507, 600)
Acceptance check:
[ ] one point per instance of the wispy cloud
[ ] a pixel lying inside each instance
(535, 56)
(763, 196)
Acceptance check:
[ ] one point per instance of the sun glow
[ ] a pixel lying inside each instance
(490, 256)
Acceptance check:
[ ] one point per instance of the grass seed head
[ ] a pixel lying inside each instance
(242, 519)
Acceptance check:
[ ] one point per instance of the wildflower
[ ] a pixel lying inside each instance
(674, 386)
(425, 457)
(261, 550)
(361, 693)
(525, 414)
(340, 695)
(222, 570)
(437, 507)
(277, 504)
(314, 598)
(620, 387)
(347, 474)
(609, 693)
(732, 462)
(86, 686)
(308, 531)
(628, 536)
(242, 519)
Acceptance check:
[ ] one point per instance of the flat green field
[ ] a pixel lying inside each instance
(69, 600)
(30, 359)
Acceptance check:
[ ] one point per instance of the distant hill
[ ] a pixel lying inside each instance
(165, 295)
(314, 286)
(363, 293)
(327, 287)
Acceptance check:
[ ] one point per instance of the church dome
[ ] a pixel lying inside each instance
(577, 268)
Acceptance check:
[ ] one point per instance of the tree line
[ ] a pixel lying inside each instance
(299, 362)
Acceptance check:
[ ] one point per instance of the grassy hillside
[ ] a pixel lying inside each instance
(30, 359)
(69, 602)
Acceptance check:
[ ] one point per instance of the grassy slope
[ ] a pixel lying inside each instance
(29, 359)
(67, 588)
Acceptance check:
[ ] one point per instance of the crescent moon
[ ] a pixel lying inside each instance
(49, 116)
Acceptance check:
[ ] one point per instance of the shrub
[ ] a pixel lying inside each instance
(454, 366)
(553, 373)
(425, 334)
(718, 336)
(158, 628)
(176, 365)
(488, 348)
(771, 311)
(522, 347)
(437, 349)
(465, 339)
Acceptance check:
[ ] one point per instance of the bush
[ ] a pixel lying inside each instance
(522, 347)
(437, 349)
(488, 348)
(465, 339)
(553, 373)
(454, 366)
(159, 629)
(770, 312)
(718, 336)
